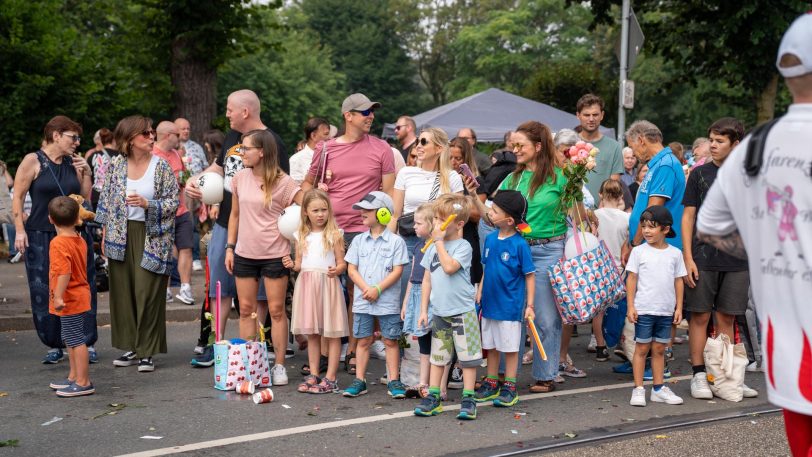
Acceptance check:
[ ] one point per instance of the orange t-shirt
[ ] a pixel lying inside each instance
(68, 255)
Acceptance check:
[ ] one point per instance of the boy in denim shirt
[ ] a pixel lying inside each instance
(447, 285)
(376, 258)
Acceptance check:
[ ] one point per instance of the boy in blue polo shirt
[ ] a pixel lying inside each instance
(376, 258)
(508, 280)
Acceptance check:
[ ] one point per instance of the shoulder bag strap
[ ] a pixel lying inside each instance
(435, 190)
(755, 148)
(43, 162)
(322, 168)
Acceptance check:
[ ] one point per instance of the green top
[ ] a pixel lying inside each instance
(543, 214)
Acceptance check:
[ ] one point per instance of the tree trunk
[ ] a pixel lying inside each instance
(195, 85)
(765, 104)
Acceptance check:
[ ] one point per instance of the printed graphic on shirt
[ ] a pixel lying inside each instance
(435, 262)
(780, 205)
(231, 165)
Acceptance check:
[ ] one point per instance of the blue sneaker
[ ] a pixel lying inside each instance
(358, 387)
(467, 409)
(75, 390)
(93, 357)
(396, 389)
(507, 397)
(53, 356)
(429, 406)
(623, 368)
(61, 384)
(204, 360)
(647, 376)
(487, 391)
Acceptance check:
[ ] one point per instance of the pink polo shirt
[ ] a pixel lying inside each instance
(175, 162)
(258, 236)
(352, 171)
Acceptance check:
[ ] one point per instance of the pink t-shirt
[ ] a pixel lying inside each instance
(175, 162)
(258, 236)
(352, 171)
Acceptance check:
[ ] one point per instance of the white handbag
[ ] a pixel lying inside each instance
(725, 365)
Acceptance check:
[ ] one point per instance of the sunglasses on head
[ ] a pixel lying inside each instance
(365, 112)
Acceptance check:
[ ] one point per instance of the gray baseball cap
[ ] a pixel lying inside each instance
(375, 200)
(358, 102)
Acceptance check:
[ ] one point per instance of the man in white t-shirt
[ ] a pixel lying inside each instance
(766, 218)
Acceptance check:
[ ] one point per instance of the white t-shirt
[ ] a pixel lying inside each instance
(773, 214)
(613, 229)
(300, 163)
(399, 163)
(145, 187)
(417, 184)
(316, 257)
(656, 270)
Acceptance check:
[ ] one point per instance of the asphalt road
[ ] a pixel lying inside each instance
(177, 406)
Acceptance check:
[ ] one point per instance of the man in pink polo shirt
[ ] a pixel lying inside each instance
(351, 166)
(166, 147)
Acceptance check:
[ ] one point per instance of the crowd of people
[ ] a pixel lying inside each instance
(435, 239)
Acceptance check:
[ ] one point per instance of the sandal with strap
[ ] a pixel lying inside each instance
(324, 387)
(309, 381)
(542, 387)
(349, 367)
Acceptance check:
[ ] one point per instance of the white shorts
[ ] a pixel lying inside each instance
(504, 336)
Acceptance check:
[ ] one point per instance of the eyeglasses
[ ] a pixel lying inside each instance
(75, 138)
(424, 141)
(244, 147)
(148, 133)
(365, 112)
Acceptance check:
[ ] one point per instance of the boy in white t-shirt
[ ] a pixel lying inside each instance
(654, 291)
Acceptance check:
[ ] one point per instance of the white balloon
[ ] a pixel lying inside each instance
(289, 221)
(211, 185)
(588, 242)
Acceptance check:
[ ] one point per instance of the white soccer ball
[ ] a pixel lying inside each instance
(588, 243)
(289, 221)
(211, 185)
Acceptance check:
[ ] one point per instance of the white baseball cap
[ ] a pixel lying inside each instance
(797, 41)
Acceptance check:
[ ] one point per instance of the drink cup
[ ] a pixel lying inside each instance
(263, 396)
(245, 388)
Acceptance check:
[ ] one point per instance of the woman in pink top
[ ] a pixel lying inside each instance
(255, 247)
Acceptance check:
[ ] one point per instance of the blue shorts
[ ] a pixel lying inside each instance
(650, 327)
(216, 254)
(363, 325)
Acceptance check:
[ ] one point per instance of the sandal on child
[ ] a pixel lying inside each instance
(324, 387)
(308, 382)
(349, 367)
(527, 358)
(305, 369)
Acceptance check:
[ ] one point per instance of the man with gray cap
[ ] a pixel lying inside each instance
(348, 168)
(756, 210)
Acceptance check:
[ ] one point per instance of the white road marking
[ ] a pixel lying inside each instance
(359, 420)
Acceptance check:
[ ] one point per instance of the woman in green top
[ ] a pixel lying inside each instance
(540, 179)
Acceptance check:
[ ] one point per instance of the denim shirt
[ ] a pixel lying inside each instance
(375, 258)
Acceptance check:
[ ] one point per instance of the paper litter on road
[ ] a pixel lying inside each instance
(286, 406)
(52, 421)
(515, 432)
(151, 437)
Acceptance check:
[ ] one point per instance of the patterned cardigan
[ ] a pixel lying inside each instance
(160, 215)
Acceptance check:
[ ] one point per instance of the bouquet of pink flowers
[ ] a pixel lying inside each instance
(580, 160)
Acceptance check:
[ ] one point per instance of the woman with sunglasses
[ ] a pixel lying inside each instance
(52, 171)
(137, 211)
(417, 185)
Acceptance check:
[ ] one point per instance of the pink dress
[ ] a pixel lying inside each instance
(318, 301)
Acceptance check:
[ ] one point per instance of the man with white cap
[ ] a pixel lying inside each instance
(756, 209)
(348, 168)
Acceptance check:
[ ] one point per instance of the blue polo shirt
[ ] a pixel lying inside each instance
(507, 262)
(375, 259)
(665, 178)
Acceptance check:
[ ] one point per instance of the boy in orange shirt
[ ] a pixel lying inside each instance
(70, 293)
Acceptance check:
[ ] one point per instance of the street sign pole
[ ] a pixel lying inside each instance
(624, 64)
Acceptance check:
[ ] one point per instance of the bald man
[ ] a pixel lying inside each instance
(166, 147)
(242, 110)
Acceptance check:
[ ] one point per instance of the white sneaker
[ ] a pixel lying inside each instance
(17, 257)
(378, 350)
(749, 392)
(197, 266)
(279, 375)
(169, 297)
(700, 388)
(754, 367)
(665, 395)
(185, 294)
(593, 345)
(638, 396)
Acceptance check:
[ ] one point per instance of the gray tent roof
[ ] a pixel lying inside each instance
(492, 113)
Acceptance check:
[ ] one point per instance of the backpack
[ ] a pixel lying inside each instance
(755, 148)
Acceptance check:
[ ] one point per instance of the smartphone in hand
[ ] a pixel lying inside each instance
(466, 170)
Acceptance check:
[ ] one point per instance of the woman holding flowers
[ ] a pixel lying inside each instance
(540, 178)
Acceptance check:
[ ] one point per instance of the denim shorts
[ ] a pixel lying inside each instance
(650, 327)
(363, 325)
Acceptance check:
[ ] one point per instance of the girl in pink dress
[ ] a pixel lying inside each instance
(318, 301)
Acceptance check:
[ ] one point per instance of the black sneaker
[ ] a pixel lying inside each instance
(455, 378)
(601, 354)
(127, 359)
(146, 365)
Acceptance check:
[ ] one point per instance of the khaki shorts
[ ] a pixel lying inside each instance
(458, 334)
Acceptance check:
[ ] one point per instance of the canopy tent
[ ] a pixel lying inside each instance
(492, 113)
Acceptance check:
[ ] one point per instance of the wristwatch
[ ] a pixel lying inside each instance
(230, 246)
